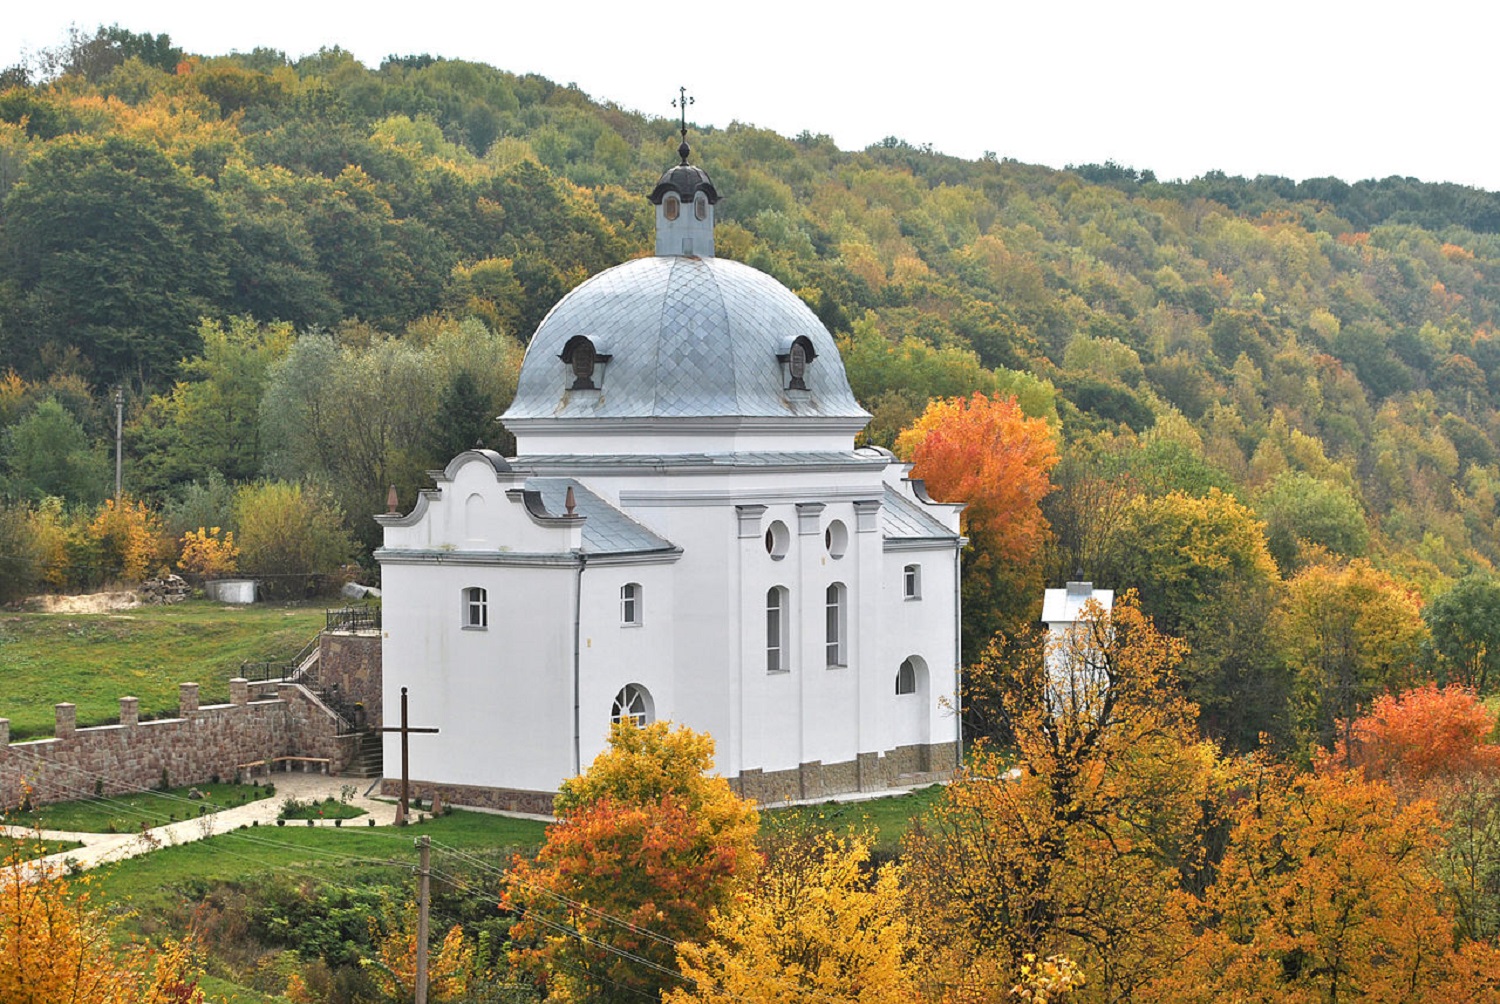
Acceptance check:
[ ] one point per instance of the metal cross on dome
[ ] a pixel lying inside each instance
(681, 103)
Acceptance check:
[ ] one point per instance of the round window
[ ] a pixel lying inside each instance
(778, 540)
(836, 538)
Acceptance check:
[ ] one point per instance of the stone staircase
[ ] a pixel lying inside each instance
(369, 761)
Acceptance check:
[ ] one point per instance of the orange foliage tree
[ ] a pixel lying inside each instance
(986, 452)
(205, 552)
(646, 846)
(1421, 735)
(126, 540)
(57, 945)
(1086, 848)
(1325, 894)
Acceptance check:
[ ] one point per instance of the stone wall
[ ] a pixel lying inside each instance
(538, 803)
(352, 661)
(200, 743)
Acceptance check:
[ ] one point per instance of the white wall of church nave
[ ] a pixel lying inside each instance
(613, 653)
(501, 695)
(923, 627)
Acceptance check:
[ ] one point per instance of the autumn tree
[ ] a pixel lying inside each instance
(57, 944)
(1422, 734)
(817, 925)
(289, 536)
(1324, 894)
(989, 454)
(1085, 846)
(646, 846)
(1350, 633)
(450, 967)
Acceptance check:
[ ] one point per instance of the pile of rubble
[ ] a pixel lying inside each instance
(166, 589)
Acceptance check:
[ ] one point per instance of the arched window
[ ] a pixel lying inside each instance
(476, 611)
(700, 206)
(906, 677)
(670, 207)
(633, 704)
(630, 603)
(777, 608)
(837, 611)
(911, 582)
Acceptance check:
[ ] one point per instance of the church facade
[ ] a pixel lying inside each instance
(687, 532)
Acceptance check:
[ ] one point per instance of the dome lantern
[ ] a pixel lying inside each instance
(684, 198)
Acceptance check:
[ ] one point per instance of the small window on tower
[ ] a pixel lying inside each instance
(476, 608)
(670, 207)
(700, 206)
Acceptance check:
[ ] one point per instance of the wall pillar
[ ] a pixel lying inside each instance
(4, 731)
(187, 699)
(130, 712)
(239, 690)
(67, 720)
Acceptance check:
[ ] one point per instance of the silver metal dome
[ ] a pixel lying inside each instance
(681, 337)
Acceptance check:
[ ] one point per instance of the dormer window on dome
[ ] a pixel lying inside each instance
(585, 361)
(795, 355)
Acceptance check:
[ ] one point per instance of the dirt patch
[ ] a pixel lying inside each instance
(89, 603)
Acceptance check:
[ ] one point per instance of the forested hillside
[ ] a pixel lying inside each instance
(314, 279)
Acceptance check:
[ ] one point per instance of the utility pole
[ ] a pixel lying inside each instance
(119, 435)
(424, 873)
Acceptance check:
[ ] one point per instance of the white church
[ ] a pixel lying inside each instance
(686, 533)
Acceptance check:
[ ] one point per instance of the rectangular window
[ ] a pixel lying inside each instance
(476, 608)
(911, 582)
(630, 603)
(776, 660)
(835, 622)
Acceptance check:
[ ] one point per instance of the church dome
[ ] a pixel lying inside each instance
(682, 337)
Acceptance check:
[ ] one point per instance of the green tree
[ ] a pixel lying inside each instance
(1464, 623)
(46, 453)
(1204, 574)
(210, 421)
(116, 252)
(1301, 511)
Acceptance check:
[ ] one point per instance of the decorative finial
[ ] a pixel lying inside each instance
(681, 103)
(392, 501)
(570, 503)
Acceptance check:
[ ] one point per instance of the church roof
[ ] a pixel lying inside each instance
(900, 517)
(679, 337)
(606, 530)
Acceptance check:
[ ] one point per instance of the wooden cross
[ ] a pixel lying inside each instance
(405, 731)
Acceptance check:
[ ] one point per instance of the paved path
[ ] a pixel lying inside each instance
(102, 848)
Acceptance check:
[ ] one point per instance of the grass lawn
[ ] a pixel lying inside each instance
(93, 660)
(156, 879)
(888, 817)
(127, 813)
(329, 808)
(26, 848)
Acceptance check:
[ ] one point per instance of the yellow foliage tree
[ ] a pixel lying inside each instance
(205, 552)
(127, 538)
(57, 946)
(394, 967)
(814, 928)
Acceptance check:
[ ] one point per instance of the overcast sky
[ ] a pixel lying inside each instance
(1301, 88)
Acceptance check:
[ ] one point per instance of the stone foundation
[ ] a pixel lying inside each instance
(903, 767)
(192, 748)
(537, 803)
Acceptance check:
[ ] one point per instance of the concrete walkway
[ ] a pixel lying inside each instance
(102, 848)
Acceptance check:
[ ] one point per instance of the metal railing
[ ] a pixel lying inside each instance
(353, 619)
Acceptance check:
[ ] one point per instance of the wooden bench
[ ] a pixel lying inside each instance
(286, 762)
